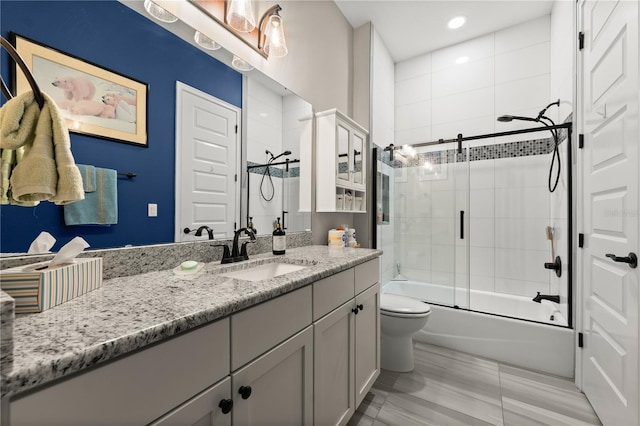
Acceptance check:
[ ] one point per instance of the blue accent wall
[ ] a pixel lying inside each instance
(115, 37)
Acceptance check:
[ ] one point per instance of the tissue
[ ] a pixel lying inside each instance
(68, 253)
(42, 244)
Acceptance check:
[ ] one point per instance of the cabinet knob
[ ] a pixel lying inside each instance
(245, 392)
(225, 406)
(355, 310)
(361, 307)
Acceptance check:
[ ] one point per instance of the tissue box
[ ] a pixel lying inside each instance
(37, 291)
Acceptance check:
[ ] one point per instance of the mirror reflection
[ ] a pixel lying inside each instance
(272, 177)
(143, 50)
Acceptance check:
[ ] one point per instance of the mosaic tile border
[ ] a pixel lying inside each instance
(276, 172)
(523, 148)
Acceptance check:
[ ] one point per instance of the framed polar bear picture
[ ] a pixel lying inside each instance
(93, 100)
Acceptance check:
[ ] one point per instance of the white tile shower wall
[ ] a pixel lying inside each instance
(264, 212)
(508, 72)
(382, 108)
(264, 122)
(293, 109)
(563, 40)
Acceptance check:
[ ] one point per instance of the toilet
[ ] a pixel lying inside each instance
(400, 318)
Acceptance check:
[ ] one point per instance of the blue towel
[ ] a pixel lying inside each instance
(99, 207)
(88, 174)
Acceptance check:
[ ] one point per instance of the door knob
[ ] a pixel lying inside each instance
(632, 259)
(225, 406)
(245, 392)
(355, 310)
(361, 307)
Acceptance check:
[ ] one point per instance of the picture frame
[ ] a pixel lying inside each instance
(94, 101)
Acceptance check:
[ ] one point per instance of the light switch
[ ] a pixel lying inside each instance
(152, 210)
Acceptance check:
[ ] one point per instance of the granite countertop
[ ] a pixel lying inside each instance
(129, 313)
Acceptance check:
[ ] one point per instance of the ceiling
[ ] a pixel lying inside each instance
(410, 28)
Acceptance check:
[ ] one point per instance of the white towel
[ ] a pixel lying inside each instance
(48, 170)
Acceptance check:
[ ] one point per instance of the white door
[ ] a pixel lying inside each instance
(609, 121)
(207, 142)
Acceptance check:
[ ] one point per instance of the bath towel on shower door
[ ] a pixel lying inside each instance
(100, 205)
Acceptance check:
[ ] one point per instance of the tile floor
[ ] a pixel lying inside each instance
(454, 388)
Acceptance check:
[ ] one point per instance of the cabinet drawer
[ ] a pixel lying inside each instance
(367, 274)
(258, 329)
(136, 389)
(331, 292)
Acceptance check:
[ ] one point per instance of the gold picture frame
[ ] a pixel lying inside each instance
(94, 100)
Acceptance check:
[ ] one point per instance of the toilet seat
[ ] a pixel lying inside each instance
(403, 307)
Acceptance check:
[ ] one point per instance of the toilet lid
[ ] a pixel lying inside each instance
(402, 304)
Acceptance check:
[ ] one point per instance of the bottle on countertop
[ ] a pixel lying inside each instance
(279, 241)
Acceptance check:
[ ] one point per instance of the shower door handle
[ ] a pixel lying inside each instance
(462, 224)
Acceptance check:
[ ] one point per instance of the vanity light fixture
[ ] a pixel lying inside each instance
(457, 22)
(205, 42)
(239, 15)
(240, 64)
(462, 59)
(159, 13)
(274, 44)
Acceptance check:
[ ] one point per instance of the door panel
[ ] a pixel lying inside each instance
(610, 190)
(206, 163)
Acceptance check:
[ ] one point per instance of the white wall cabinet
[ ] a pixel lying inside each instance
(341, 163)
(307, 357)
(347, 344)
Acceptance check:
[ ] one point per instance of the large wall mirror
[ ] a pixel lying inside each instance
(159, 55)
(271, 179)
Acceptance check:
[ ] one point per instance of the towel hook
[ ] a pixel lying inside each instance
(20, 62)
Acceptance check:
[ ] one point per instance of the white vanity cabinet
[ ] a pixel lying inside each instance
(346, 342)
(272, 382)
(212, 407)
(306, 357)
(341, 163)
(136, 389)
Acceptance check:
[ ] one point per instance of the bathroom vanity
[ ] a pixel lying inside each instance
(156, 348)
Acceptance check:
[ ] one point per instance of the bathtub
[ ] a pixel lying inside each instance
(547, 347)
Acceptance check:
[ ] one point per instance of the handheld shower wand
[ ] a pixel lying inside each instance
(541, 118)
(267, 172)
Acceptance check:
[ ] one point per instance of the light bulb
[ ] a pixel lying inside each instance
(275, 44)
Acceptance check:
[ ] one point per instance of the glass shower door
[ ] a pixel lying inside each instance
(421, 194)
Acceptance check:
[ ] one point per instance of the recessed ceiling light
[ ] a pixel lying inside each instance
(462, 59)
(457, 22)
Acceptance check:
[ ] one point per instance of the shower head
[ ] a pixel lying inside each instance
(507, 118)
(273, 158)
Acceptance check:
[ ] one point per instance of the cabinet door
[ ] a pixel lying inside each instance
(333, 341)
(343, 165)
(277, 388)
(367, 347)
(358, 165)
(202, 410)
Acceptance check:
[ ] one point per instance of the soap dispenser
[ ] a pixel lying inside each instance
(279, 241)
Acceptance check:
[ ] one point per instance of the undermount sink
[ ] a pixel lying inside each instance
(263, 272)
